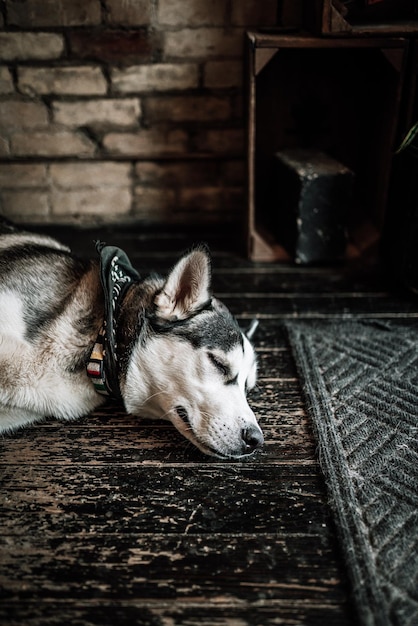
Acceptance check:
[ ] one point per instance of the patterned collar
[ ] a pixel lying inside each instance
(96, 369)
(116, 276)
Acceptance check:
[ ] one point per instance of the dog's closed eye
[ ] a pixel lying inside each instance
(222, 367)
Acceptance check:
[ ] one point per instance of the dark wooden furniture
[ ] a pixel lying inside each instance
(341, 96)
(351, 17)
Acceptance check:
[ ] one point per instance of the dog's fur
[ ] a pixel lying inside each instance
(181, 355)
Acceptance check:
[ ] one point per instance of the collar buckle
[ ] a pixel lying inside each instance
(96, 367)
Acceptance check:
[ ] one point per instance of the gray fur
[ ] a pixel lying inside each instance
(51, 307)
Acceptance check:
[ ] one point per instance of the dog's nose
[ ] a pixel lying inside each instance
(252, 438)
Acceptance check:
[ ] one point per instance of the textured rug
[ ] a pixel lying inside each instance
(360, 382)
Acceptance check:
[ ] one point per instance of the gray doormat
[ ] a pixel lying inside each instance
(360, 382)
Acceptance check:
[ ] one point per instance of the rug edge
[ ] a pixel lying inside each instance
(369, 599)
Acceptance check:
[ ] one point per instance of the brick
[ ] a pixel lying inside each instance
(196, 13)
(90, 112)
(203, 42)
(129, 12)
(201, 198)
(234, 172)
(147, 142)
(85, 81)
(177, 174)
(156, 77)
(4, 146)
(45, 13)
(154, 204)
(24, 203)
(97, 202)
(81, 175)
(254, 12)
(223, 74)
(23, 46)
(6, 82)
(233, 203)
(52, 143)
(238, 106)
(20, 114)
(22, 175)
(114, 46)
(187, 108)
(221, 141)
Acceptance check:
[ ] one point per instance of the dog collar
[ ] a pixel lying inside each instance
(95, 366)
(116, 275)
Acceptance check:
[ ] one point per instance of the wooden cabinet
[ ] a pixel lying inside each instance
(341, 96)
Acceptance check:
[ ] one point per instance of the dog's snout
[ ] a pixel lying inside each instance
(252, 438)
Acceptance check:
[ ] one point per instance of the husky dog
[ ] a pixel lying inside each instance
(73, 330)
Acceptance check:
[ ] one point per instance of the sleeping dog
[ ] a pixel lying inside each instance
(73, 332)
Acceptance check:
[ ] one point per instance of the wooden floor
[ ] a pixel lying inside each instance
(112, 520)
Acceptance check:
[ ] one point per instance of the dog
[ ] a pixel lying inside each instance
(74, 331)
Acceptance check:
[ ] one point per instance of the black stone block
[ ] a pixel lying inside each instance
(313, 196)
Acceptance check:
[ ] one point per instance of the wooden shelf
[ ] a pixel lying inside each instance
(332, 18)
(340, 96)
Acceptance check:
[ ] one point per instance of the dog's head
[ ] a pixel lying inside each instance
(192, 364)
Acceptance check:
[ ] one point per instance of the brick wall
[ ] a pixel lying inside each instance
(124, 110)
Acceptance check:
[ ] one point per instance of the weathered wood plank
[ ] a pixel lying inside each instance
(132, 499)
(276, 280)
(250, 568)
(283, 279)
(311, 306)
(88, 442)
(277, 364)
(217, 612)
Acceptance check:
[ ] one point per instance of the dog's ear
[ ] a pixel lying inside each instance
(186, 288)
(250, 332)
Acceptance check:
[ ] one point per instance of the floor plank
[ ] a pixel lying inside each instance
(112, 519)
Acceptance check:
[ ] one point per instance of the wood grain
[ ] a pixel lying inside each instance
(113, 519)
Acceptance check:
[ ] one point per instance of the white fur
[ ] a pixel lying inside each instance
(12, 324)
(186, 377)
(181, 375)
(186, 288)
(34, 392)
(167, 375)
(16, 239)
